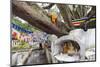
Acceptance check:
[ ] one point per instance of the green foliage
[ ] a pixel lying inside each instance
(24, 25)
(22, 45)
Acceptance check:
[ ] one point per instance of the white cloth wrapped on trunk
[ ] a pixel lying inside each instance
(84, 39)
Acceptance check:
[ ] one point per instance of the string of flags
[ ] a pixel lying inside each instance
(20, 28)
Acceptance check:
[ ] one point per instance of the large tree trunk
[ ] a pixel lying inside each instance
(34, 16)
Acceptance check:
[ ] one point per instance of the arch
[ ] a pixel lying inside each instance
(55, 47)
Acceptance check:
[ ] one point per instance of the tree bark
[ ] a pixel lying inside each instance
(35, 17)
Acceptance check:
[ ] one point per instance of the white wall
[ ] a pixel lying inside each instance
(86, 37)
